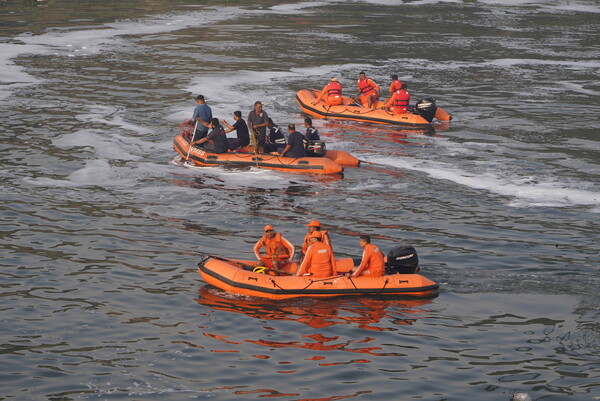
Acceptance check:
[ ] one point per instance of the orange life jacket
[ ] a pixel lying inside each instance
(334, 88)
(275, 246)
(367, 86)
(401, 99)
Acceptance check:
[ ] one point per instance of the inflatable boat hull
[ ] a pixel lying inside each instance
(330, 164)
(349, 110)
(236, 276)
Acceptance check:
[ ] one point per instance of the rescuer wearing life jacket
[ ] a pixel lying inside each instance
(201, 117)
(373, 262)
(395, 85)
(312, 134)
(241, 129)
(400, 100)
(275, 141)
(332, 92)
(278, 250)
(368, 90)
(319, 260)
(313, 226)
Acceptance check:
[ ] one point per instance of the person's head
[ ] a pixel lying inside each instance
(520, 397)
(315, 236)
(292, 127)
(364, 240)
(314, 226)
(270, 123)
(308, 122)
(334, 80)
(269, 230)
(362, 75)
(258, 106)
(394, 77)
(214, 122)
(404, 86)
(237, 114)
(200, 99)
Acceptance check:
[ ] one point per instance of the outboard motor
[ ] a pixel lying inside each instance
(402, 259)
(426, 108)
(315, 149)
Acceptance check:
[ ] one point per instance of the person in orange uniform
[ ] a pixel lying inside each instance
(395, 85)
(368, 90)
(332, 92)
(319, 260)
(313, 226)
(278, 250)
(372, 263)
(399, 102)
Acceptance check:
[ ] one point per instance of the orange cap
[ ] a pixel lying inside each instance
(269, 227)
(314, 223)
(334, 79)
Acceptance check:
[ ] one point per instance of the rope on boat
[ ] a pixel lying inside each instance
(387, 280)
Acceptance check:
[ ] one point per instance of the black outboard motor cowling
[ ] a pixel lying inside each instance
(402, 259)
(315, 149)
(426, 108)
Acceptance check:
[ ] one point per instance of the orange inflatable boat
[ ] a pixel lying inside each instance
(426, 108)
(331, 163)
(237, 276)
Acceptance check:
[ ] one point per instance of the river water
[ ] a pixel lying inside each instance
(101, 233)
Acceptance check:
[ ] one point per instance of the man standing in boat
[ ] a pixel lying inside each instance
(368, 90)
(295, 145)
(332, 92)
(202, 116)
(319, 260)
(257, 122)
(373, 260)
(278, 250)
(313, 226)
(400, 100)
(241, 129)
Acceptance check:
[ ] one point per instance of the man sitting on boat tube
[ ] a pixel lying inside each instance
(368, 90)
(217, 140)
(319, 260)
(332, 92)
(278, 250)
(399, 101)
(373, 260)
(295, 145)
(313, 226)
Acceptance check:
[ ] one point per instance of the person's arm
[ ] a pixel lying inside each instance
(303, 268)
(257, 247)
(291, 248)
(284, 151)
(229, 127)
(323, 92)
(363, 263)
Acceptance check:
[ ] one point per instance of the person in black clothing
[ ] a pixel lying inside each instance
(275, 139)
(241, 129)
(295, 144)
(312, 134)
(257, 122)
(216, 140)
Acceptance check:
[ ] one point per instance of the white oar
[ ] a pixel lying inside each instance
(191, 141)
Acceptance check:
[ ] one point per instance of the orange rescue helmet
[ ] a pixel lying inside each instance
(314, 223)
